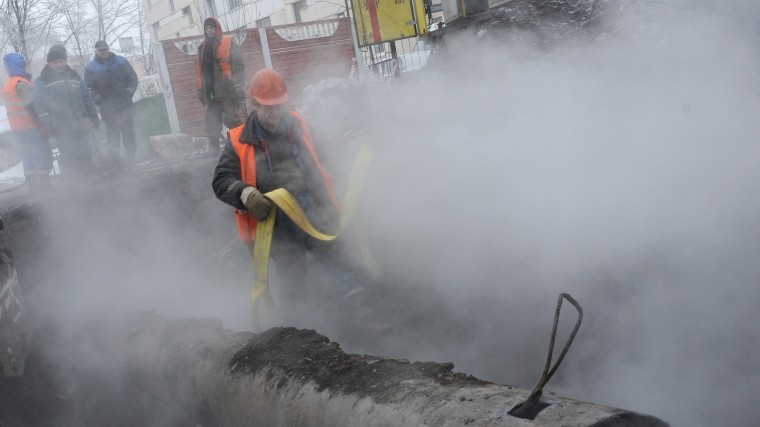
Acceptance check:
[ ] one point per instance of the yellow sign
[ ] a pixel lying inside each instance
(380, 21)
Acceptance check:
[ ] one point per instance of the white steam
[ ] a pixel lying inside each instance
(623, 169)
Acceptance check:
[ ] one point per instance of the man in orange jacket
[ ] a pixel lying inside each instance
(18, 93)
(274, 149)
(220, 76)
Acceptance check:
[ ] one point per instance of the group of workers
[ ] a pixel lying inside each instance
(272, 148)
(269, 149)
(63, 105)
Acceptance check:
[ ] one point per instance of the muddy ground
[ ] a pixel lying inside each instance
(157, 239)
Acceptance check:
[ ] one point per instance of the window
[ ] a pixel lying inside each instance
(211, 7)
(234, 4)
(261, 23)
(297, 8)
(189, 13)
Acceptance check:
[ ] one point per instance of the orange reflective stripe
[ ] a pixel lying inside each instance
(246, 223)
(310, 146)
(18, 117)
(222, 56)
(198, 79)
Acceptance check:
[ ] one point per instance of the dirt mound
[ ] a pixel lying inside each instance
(305, 353)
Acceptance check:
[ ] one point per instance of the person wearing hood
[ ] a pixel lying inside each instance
(66, 112)
(112, 82)
(274, 149)
(18, 93)
(220, 78)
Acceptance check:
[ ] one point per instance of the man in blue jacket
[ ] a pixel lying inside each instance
(112, 82)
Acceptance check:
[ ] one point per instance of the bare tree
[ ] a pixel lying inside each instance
(26, 24)
(146, 47)
(78, 22)
(114, 18)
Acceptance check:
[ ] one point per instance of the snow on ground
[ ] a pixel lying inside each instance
(12, 177)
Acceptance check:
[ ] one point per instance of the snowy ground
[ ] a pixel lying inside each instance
(14, 177)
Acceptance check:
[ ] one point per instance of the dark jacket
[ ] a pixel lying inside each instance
(284, 163)
(112, 81)
(62, 101)
(210, 73)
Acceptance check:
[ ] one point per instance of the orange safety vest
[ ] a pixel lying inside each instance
(18, 116)
(246, 223)
(222, 56)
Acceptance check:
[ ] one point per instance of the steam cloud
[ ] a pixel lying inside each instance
(622, 167)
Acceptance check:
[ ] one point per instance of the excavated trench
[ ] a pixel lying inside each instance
(104, 264)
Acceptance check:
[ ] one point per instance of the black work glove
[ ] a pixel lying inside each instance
(256, 203)
(201, 98)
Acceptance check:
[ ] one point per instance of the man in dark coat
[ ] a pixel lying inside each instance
(220, 78)
(274, 149)
(66, 112)
(112, 82)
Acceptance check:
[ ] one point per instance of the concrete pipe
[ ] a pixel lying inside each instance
(193, 372)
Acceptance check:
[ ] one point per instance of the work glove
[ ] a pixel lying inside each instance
(95, 120)
(256, 203)
(129, 93)
(201, 98)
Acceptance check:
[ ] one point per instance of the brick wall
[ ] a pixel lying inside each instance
(301, 61)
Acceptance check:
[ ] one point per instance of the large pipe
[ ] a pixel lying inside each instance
(292, 377)
(14, 341)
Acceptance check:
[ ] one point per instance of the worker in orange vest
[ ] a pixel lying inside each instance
(274, 149)
(220, 76)
(18, 93)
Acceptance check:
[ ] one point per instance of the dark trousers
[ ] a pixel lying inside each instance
(75, 159)
(120, 130)
(225, 111)
(290, 251)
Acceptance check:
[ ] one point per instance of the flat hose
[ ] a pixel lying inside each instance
(285, 201)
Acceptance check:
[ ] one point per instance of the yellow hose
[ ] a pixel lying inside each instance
(282, 199)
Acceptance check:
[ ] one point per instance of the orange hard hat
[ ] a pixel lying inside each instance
(268, 87)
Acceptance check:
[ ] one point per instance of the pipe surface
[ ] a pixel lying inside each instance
(285, 376)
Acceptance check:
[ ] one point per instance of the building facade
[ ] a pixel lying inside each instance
(170, 19)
